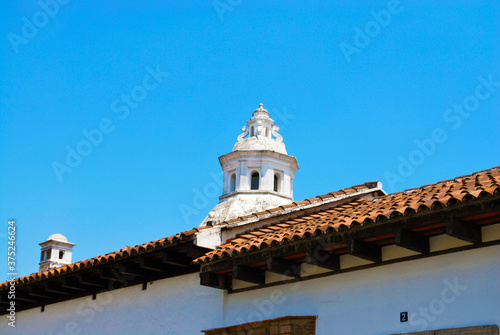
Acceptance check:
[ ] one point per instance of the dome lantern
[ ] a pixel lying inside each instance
(258, 173)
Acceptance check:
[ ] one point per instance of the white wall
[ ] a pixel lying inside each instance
(170, 306)
(370, 301)
(359, 302)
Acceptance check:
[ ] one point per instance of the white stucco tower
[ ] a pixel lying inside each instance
(258, 173)
(56, 252)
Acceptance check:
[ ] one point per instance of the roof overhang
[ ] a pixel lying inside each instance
(130, 266)
(423, 233)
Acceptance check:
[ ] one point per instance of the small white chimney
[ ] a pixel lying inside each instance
(56, 252)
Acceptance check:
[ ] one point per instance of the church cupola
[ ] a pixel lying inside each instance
(56, 252)
(258, 173)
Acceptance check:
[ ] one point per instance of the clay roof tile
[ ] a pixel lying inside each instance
(366, 212)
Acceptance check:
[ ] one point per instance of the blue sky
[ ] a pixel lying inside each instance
(403, 92)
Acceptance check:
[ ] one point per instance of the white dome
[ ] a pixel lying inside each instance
(263, 143)
(58, 237)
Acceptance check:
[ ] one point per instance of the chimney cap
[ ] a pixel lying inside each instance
(57, 237)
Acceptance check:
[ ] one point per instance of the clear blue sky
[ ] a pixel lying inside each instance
(356, 99)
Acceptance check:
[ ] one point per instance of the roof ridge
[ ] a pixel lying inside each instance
(324, 198)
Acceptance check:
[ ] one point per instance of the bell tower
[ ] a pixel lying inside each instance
(258, 172)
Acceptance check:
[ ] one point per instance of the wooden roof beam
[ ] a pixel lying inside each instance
(215, 280)
(131, 270)
(29, 299)
(248, 274)
(57, 288)
(109, 274)
(39, 293)
(365, 250)
(411, 240)
(176, 259)
(90, 280)
(153, 264)
(73, 283)
(283, 267)
(324, 259)
(463, 230)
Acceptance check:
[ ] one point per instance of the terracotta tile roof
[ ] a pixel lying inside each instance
(107, 258)
(368, 187)
(363, 212)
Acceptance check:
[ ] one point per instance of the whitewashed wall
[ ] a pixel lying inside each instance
(359, 302)
(370, 301)
(170, 306)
